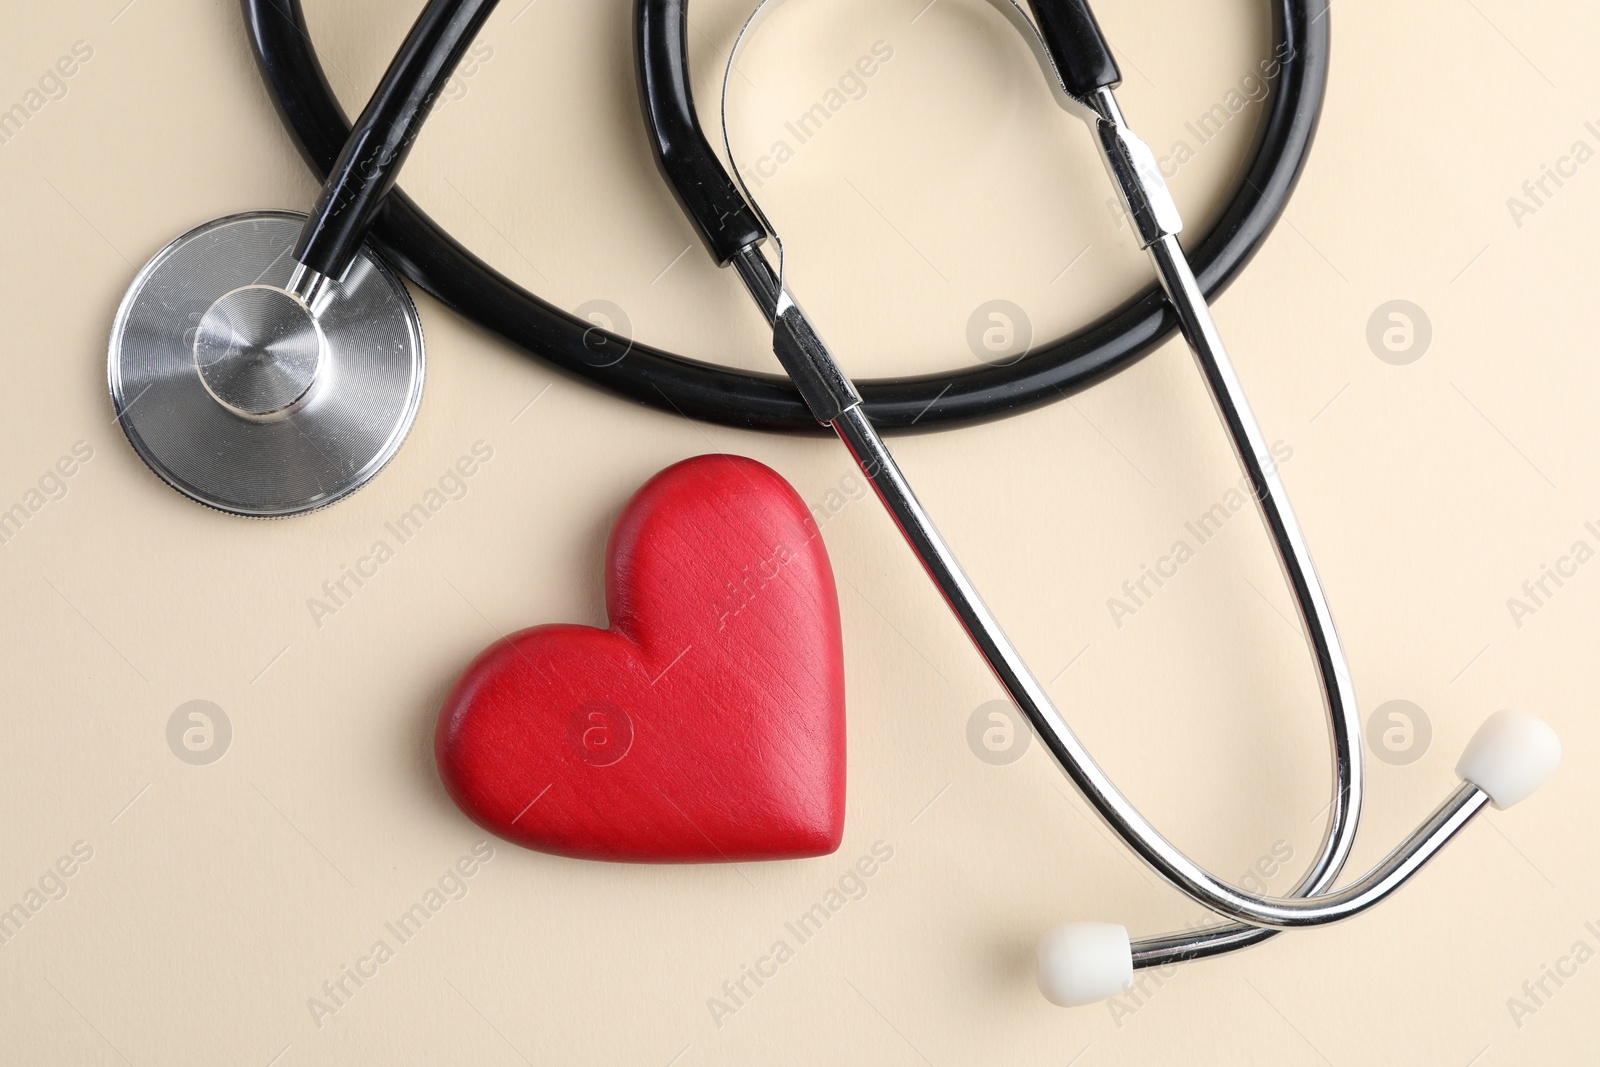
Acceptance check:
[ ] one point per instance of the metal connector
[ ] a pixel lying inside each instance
(1133, 170)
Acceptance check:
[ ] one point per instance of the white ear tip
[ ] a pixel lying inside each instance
(1512, 754)
(1081, 963)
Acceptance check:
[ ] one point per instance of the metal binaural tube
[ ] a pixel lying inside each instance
(766, 287)
(833, 401)
(1167, 860)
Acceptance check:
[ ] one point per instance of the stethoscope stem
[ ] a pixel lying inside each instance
(382, 137)
(307, 285)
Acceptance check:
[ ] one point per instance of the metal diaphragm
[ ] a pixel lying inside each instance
(242, 397)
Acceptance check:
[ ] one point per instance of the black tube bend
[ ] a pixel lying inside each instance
(725, 222)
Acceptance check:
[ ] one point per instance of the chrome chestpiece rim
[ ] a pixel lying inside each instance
(245, 398)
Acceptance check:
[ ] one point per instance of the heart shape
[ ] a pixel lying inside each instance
(706, 725)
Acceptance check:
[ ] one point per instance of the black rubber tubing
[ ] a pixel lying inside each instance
(405, 236)
(371, 158)
(1076, 44)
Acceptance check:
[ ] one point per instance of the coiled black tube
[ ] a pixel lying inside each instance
(430, 257)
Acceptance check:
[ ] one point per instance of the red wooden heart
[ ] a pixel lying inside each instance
(707, 724)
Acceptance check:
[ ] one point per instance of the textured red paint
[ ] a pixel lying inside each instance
(706, 725)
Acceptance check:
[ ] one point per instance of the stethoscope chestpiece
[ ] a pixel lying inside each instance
(269, 364)
(245, 395)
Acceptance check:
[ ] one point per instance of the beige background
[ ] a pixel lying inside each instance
(220, 898)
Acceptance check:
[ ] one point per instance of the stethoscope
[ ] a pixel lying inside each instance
(268, 364)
